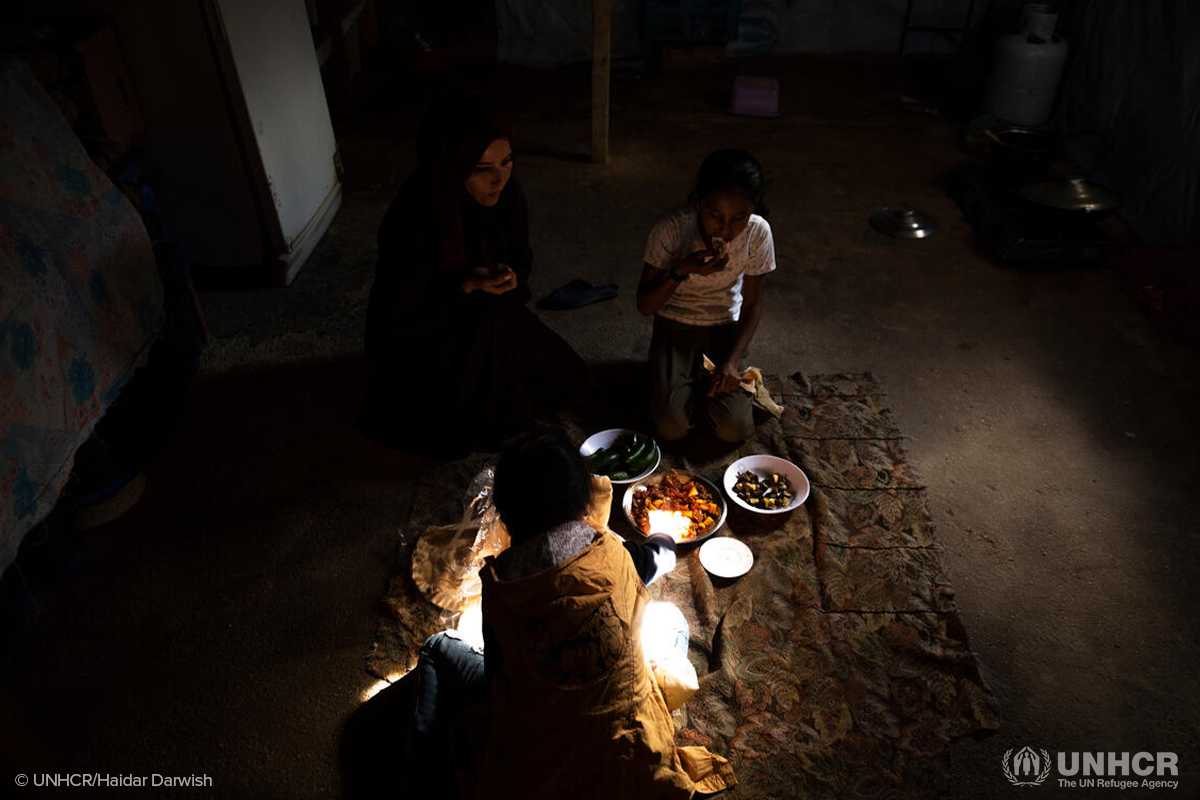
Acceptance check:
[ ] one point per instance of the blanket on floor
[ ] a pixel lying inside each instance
(838, 667)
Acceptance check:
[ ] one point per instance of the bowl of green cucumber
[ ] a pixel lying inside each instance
(623, 454)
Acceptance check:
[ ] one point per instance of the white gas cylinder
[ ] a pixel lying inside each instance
(1027, 69)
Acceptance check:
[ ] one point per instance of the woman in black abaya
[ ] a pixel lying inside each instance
(459, 363)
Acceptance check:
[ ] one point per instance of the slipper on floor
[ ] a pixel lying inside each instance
(576, 294)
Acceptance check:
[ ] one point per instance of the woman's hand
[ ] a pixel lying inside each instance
(482, 280)
(725, 379)
(702, 262)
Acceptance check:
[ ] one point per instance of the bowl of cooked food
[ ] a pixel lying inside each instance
(766, 484)
(623, 454)
(685, 506)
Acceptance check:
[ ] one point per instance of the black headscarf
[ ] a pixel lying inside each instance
(456, 132)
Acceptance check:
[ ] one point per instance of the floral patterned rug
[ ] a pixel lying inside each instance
(838, 666)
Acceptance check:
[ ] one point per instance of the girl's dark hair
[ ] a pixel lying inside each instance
(732, 170)
(456, 131)
(541, 482)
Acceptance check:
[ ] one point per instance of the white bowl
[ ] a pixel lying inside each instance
(764, 465)
(610, 436)
(627, 505)
(726, 557)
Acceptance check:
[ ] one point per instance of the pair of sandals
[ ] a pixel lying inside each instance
(577, 294)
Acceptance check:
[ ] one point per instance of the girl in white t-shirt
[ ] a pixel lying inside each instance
(705, 265)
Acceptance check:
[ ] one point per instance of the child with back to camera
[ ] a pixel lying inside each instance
(702, 278)
(574, 710)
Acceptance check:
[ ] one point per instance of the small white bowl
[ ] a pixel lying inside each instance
(764, 465)
(726, 557)
(608, 438)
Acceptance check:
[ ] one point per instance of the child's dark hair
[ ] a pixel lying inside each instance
(732, 170)
(541, 482)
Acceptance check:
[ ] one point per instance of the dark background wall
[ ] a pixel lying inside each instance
(1128, 107)
(1135, 77)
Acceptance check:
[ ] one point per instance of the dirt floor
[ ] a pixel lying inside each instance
(220, 627)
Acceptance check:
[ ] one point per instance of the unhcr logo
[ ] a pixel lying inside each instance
(1031, 767)
(1028, 767)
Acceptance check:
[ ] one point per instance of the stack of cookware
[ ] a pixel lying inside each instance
(1025, 204)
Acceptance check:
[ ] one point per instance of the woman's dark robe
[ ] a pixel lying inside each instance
(453, 372)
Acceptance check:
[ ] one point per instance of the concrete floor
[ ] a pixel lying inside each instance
(220, 627)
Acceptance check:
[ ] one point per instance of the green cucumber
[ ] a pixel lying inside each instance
(629, 455)
(603, 460)
(643, 462)
(638, 452)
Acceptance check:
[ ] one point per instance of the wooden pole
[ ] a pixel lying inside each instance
(601, 61)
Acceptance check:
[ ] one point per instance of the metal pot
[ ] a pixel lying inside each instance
(1027, 150)
(904, 222)
(1072, 197)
